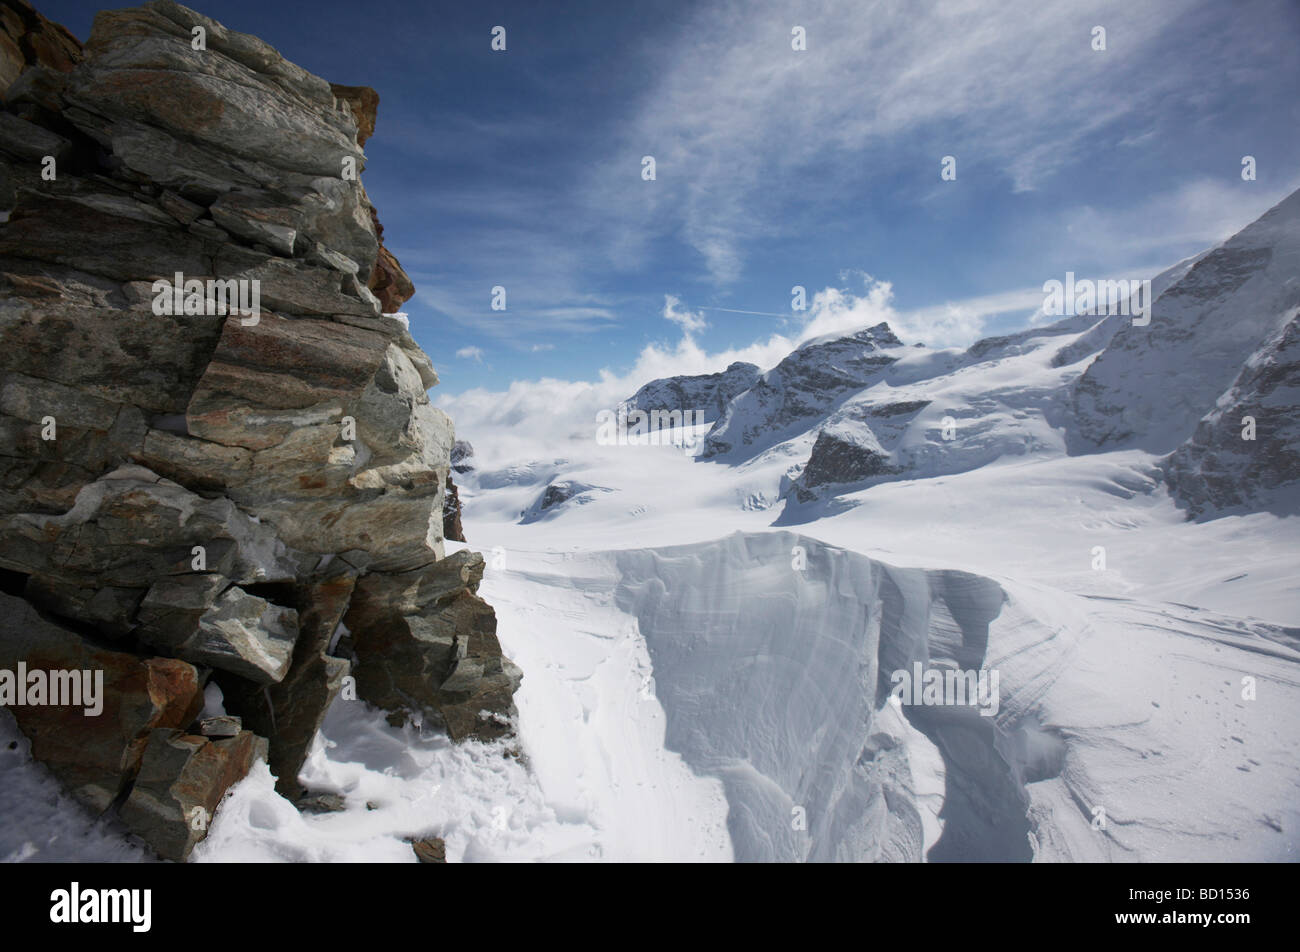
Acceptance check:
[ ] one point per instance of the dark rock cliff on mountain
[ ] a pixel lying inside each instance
(804, 386)
(705, 394)
(1245, 453)
(237, 480)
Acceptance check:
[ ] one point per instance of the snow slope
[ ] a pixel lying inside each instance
(1151, 384)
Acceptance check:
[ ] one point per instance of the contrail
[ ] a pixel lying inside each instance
(732, 310)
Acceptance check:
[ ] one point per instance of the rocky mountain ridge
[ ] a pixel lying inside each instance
(851, 412)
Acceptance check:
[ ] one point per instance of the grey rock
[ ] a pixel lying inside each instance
(1218, 471)
(461, 454)
(246, 635)
(706, 394)
(182, 779)
(201, 501)
(28, 142)
(801, 388)
(322, 803)
(426, 644)
(220, 726)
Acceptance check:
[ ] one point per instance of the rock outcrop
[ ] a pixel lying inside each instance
(563, 492)
(28, 39)
(854, 449)
(1245, 454)
(804, 386)
(1152, 384)
(452, 527)
(220, 464)
(842, 455)
(705, 394)
(462, 455)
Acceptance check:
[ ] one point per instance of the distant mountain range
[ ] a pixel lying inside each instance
(855, 410)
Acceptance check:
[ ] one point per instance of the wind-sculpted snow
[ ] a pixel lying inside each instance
(775, 680)
(682, 701)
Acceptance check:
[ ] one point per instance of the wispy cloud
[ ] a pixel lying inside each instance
(689, 321)
(743, 127)
(1169, 225)
(756, 144)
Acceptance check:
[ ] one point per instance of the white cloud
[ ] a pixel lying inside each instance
(688, 321)
(471, 353)
(1167, 226)
(533, 419)
(743, 128)
(755, 142)
(955, 323)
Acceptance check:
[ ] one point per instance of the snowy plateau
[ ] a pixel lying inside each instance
(707, 631)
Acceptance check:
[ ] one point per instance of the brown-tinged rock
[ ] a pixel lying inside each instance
(364, 103)
(29, 39)
(290, 713)
(430, 850)
(182, 779)
(94, 755)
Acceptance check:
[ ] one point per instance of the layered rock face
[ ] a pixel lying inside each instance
(1245, 454)
(219, 464)
(27, 38)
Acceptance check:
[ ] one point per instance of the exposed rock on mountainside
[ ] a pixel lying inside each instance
(858, 410)
(210, 492)
(1245, 454)
(841, 456)
(708, 394)
(452, 527)
(1152, 384)
(855, 448)
(461, 455)
(558, 494)
(28, 39)
(804, 386)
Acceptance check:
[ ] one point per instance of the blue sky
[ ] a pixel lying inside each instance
(778, 167)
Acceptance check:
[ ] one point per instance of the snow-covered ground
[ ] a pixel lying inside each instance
(1130, 675)
(708, 654)
(687, 687)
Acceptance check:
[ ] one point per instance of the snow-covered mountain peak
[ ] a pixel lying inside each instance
(803, 387)
(1152, 384)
